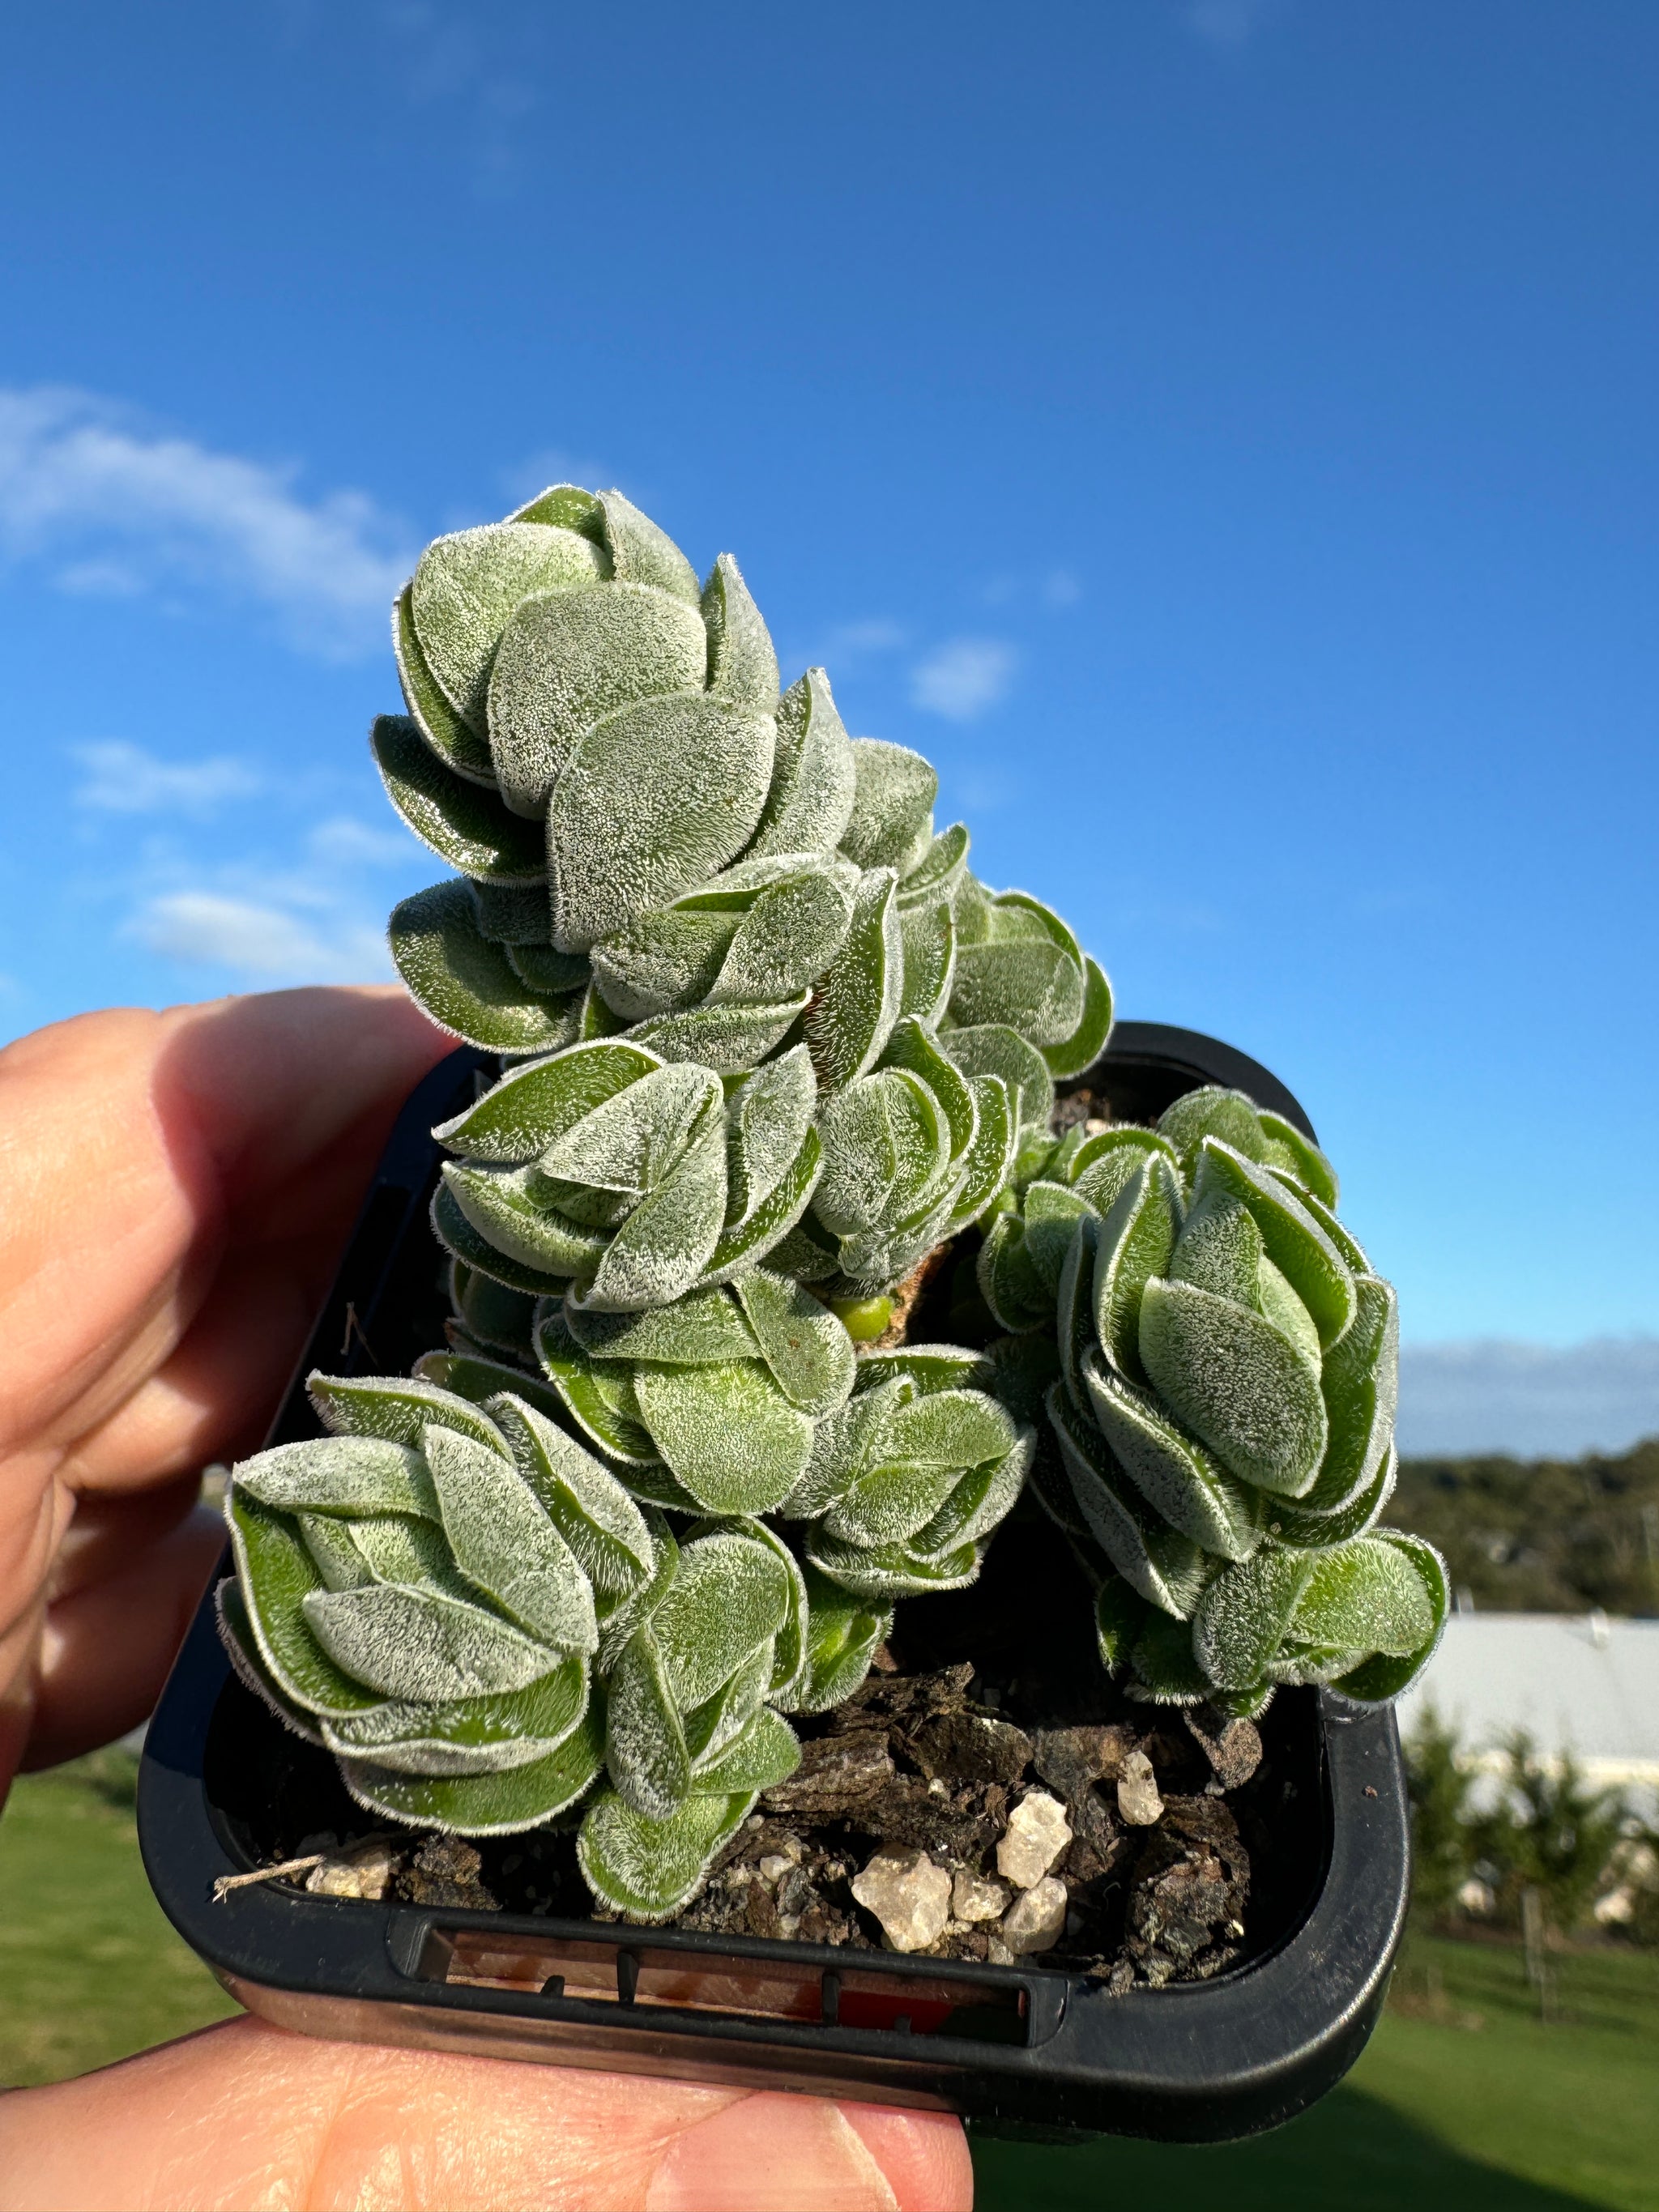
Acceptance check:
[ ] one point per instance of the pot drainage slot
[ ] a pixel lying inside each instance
(643, 1975)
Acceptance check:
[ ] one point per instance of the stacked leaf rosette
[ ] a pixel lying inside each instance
(1223, 1403)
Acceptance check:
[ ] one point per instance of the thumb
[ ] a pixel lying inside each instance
(247, 2116)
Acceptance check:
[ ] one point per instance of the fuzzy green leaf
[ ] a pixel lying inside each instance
(459, 1238)
(701, 1329)
(472, 1735)
(1166, 1567)
(1176, 1477)
(656, 797)
(276, 1574)
(641, 553)
(1384, 1676)
(842, 1635)
(500, 1804)
(980, 1499)
(813, 776)
(569, 659)
(810, 1354)
(468, 984)
(754, 1236)
(662, 961)
(1245, 1611)
(728, 1601)
(767, 1752)
(881, 1572)
(1027, 983)
(466, 586)
(1212, 1111)
(741, 665)
(852, 1017)
(729, 1037)
(886, 1152)
(893, 806)
(1237, 1382)
(1137, 1238)
(506, 1545)
(1082, 1047)
(499, 1206)
(933, 879)
(1166, 1673)
(465, 823)
(455, 744)
(645, 1743)
(532, 1108)
(591, 1510)
(727, 1433)
(1292, 1239)
(598, 1395)
(419, 1645)
(351, 1476)
(1008, 1279)
(1120, 1615)
(649, 1868)
(1297, 1156)
(996, 1050)
(1310, 1530)
(768, 1114)
(1360, 1382)
(927, 940)
(1365, 1595)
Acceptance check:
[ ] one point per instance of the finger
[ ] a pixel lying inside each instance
(246, 2115)
(137, 1146)
(107, 1649)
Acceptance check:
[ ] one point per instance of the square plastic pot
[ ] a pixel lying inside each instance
(222, 1784)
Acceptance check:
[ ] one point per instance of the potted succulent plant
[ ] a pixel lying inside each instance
(824, 1556)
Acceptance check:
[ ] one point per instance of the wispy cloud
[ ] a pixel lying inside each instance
(466, 64)
(964, 678)
(1227, 23)
(1532, 1400)
(262, 944)
(109, 504)
(123, 778)
(1059, 589)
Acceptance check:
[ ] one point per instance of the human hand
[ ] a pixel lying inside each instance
(177, 1189)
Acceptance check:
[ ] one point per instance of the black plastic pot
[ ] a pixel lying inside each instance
(224, 1789)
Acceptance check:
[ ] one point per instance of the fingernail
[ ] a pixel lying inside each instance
(789, 2154)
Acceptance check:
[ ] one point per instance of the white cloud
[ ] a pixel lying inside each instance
(123, 778)
(1532, 1400)
(963, 679)
(1227, 23)
(113, 506)
(340, 842)
(257, 944)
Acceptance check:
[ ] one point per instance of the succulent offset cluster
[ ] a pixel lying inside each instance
(767, 1047)
(489, 1622)
(823, 1028)
(1225, 1371)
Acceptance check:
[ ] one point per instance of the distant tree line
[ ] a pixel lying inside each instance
(1589, 1860)
(1541, 1535)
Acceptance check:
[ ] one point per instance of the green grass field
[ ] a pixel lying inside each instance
(1465, 2100)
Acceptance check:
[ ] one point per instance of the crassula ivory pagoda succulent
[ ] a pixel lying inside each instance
(1225, 1369)
(767, 1048)
(820, 1028)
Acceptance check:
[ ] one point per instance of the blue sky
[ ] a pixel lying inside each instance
(1220, 433)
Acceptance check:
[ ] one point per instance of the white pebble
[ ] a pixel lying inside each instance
(975, 1897)
(908, 1894)
(1138, 1800)
(1038, 1832)
(1036, 1920)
